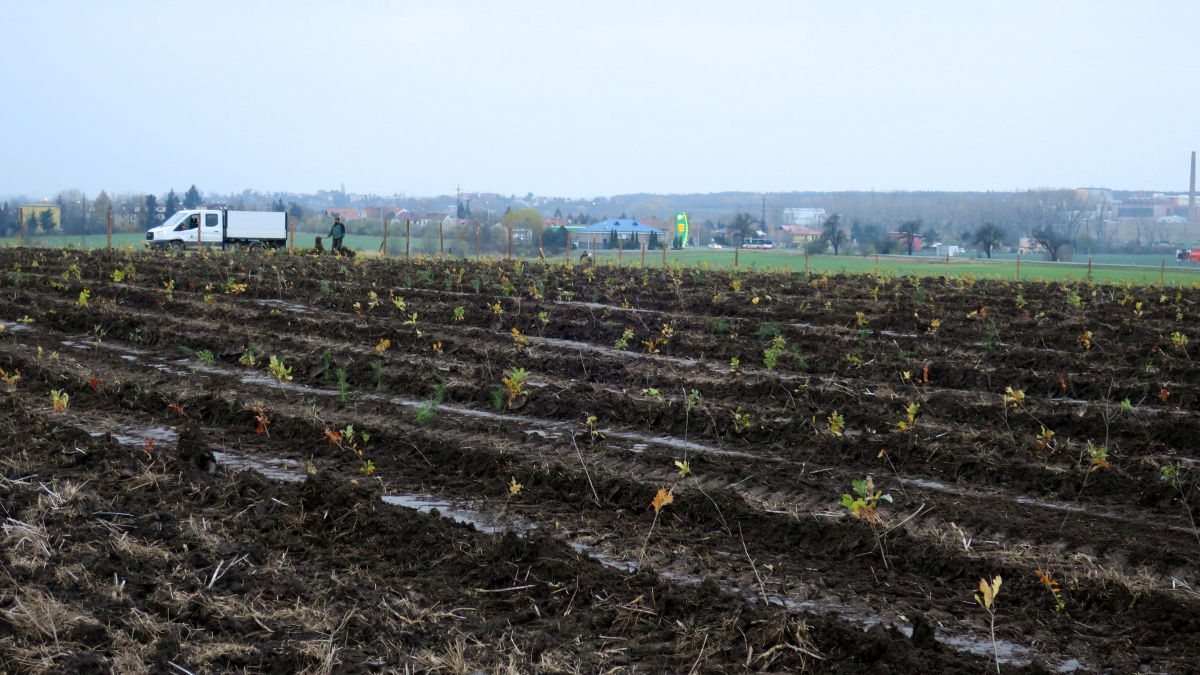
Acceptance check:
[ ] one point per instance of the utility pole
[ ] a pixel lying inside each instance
(762, 223)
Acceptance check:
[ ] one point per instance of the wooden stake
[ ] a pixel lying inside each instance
(407, 237)
(292, 234)
(664, 255)
(510, 243)
(736, 250)
(477, 229)
(1162, 273)
(1018, 264)
(109, 219)
(441, 241)
(876, 263)
(620, 248)
(541, 253)
(21, 217)
(385, 229)
(946, 274)
(806, 261)
(568, 247)
(643, 254)
(1089, 268)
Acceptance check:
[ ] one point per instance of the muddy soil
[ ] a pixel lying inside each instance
(194, 509)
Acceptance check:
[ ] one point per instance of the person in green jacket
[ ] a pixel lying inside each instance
(337, 233)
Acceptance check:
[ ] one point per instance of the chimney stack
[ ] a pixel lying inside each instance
(1192, 210)
(1192, 192)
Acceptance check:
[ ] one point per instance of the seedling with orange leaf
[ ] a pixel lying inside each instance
(514, 488)
(520, 342)
(260, 416)
(1013, 398)
(148, 448)
(1045, 440)
(345, 439)
(1052, 586)
(986, 597)
(661, 499)
(865, 506)
(59, 399)
(1085, 339)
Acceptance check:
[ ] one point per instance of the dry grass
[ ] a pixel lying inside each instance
(28, 544)
(38, 615)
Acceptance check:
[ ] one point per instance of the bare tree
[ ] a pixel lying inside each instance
(910, 231)
(1057, 222)
(988, 236)
(833, 233)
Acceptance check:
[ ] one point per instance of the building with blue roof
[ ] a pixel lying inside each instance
(631, 233)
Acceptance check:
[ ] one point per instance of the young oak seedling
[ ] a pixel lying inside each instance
(986, 597)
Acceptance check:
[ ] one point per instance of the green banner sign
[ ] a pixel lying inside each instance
(681, 230)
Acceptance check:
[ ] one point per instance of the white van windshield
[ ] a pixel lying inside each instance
(176, 219)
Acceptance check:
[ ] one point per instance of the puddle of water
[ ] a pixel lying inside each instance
(597, 305)
(287, 470)
(290, 306)
(126, 434)
(129, 357)
(76, 345)
(609, 351)
(13, 325)
(488, 523)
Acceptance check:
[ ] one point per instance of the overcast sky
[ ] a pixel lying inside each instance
(582, 99)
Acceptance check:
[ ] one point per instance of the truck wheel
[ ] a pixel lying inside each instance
(255, 247)
(177, 245)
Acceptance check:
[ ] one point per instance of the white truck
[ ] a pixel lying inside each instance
(220, 227)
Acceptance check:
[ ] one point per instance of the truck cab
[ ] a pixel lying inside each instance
(183, 229)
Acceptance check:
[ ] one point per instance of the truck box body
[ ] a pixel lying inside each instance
(213, 227)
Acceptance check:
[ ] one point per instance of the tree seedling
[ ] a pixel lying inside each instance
(383, 346)
(1173, 472)
(1052, 586)
(84, 295)
(593, 428)
(741, 420)
(836, 423)
(514, 384)
(864, 506)
(1013, 397)
(260, 416)
(622, 342)
(771, 354)
(278, 370)
(661, 499)
(59, 400)
(514, 488)
(908, 424)
(520, 342)
(344, 439)
(1085, 339)
(1045, 440)
(426, 410)
(343, 385)
(986, 597)
(249, 356)
(10, 381)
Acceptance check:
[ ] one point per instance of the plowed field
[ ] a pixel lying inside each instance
(194, 509)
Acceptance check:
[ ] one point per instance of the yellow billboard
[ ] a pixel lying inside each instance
(36, 210)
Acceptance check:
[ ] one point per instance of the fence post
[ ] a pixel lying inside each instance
(806, 260)
(643, 254)
(1089, 269)
(109, 219)
(664, 255)
(568, 247)
(541, 254)
(477, 228)
(292, 235)
(876, 263)
(736, 249)
(441, 241)
(620, 249)
(947, 272)
(510, 243)
(385, 229)
(407, 237)
(21, 217)
(1018, 264)
(1162, 273)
